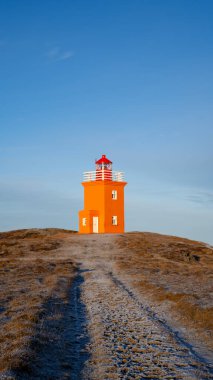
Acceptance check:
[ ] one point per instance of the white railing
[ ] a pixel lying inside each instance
(103, 175)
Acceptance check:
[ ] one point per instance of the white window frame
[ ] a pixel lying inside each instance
(114, 194)
(84, 222)
(114, 220)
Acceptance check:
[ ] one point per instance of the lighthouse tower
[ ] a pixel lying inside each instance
(103, 200)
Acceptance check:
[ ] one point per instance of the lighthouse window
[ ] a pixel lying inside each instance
(84, 221)
(114, 220)
(114, 194)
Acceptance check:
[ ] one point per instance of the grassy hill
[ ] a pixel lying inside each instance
(176, 274)
(31, 272)
(37, 270)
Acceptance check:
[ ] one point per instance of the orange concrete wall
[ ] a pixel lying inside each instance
(114, 207)
(88, 214)
(93, 195)
(94, 199)
(98, 197)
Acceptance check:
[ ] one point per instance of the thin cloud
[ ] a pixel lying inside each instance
(57, 54)
(65, 55)
(25, 204)
(159, 192)
(202, 198)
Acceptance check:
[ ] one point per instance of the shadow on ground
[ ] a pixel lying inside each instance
(58, 350)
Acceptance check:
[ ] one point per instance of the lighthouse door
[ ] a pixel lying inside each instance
(95, 224)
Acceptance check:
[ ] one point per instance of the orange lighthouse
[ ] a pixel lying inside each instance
(103, 200)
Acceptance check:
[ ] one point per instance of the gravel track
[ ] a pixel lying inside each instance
(127, 340)
(106, 328)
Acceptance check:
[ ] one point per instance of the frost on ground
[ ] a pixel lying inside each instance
(120, 318)
(128, 340)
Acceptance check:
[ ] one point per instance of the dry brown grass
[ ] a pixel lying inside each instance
(31, 272)
(176, 273)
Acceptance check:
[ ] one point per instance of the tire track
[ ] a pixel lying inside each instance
(129, 341)
(153, 316)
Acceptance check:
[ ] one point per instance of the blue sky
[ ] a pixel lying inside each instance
(129, 79)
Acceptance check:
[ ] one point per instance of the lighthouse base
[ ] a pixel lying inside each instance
(103, 208)
(90, 222)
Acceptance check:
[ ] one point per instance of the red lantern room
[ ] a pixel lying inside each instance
(103, 169)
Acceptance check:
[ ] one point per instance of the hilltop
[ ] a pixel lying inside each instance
(64, 293)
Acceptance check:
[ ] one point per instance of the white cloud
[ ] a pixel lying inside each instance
(58, 54)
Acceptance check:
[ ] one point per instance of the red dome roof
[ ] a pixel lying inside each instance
(103, 160)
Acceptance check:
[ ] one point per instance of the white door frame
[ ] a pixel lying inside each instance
(95, 224)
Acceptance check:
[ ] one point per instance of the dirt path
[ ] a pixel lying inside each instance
(128, 341)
